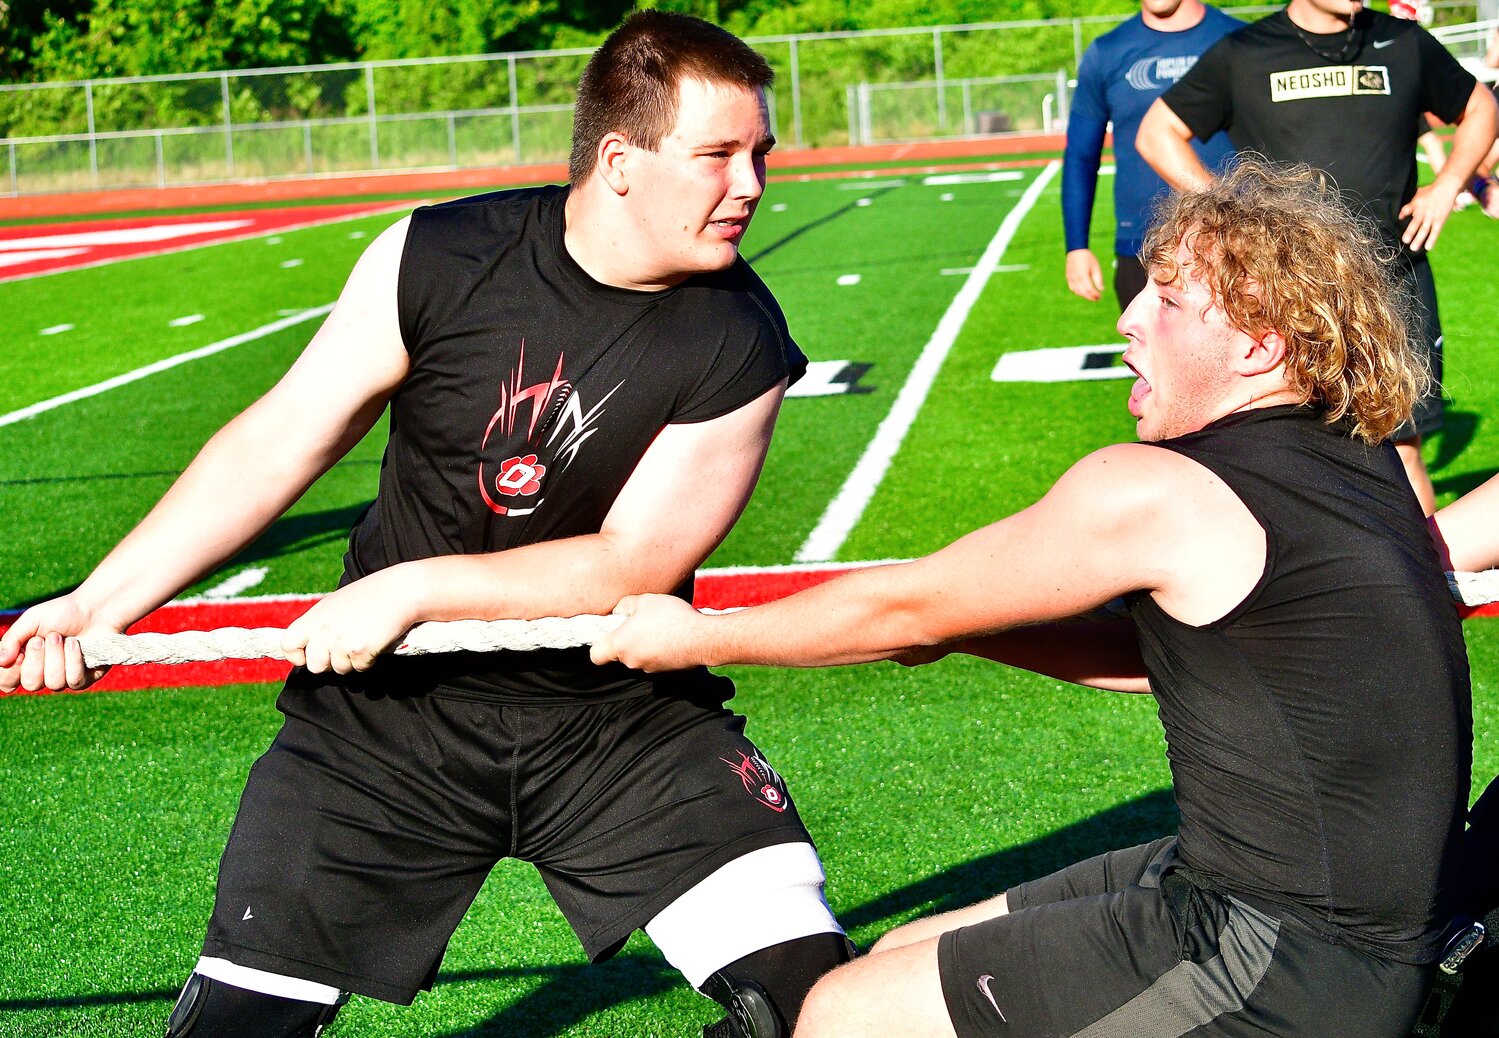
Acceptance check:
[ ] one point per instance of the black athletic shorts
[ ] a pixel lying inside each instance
(1427, 329)
(366, 830)
(1124, 944)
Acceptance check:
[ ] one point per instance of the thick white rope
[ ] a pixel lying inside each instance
(239, 643)
(1474, 589)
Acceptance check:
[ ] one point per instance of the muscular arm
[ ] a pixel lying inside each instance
(1097, 653)
(677, 506)
(1165, 142)
(1429, 208)
(1170, 528)
(242, 480)
(1469, 528)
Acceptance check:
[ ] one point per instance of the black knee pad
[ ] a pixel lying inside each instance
(209, 1008)
(764, 991)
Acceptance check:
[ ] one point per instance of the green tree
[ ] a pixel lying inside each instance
(150, 37)
(21, 22)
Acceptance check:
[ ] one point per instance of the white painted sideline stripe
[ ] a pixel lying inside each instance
(1058, 364)
(15, 259)
(998, 177)
(844, 513)
(122, 236)
(244, 580)
(162, 365)
(171, 249)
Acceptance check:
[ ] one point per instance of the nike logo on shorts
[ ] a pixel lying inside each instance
(1382, 44)
(984, 988)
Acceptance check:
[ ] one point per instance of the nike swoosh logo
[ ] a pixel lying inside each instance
(984, 988)
(1382, 44)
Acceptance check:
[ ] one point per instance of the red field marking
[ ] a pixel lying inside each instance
(715, 589)
(43, 248)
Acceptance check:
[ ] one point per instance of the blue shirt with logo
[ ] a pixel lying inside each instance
(1121, 73)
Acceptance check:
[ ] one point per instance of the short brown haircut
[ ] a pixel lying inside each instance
(1279, 250)
(630, 84)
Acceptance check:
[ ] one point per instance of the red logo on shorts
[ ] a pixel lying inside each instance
(760, 780)
(519, 476)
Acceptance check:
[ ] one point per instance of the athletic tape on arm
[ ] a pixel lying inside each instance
(552, 632)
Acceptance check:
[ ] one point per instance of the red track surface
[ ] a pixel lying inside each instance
(438, 182)
(41, 248)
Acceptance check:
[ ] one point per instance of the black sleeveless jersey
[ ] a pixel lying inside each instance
(533, 391)
(1320, 734)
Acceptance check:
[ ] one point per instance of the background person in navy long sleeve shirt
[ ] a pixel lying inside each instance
(1120, 75)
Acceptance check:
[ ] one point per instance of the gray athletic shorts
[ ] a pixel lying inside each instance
(1098, 951)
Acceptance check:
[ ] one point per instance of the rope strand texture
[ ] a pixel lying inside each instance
(241, 643)
(553, 632)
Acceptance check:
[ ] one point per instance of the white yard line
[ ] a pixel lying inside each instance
(844, 513)
(162, 365)
(244, 580)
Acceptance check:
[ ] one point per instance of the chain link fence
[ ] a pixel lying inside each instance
(506, 109)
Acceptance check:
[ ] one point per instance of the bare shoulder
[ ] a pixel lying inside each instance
(1189, 539)
(1141, 478)
(357, 355)
(1157, 500)
(384, 253)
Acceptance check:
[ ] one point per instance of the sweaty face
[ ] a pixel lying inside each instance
(692, 198)
(1181, 346)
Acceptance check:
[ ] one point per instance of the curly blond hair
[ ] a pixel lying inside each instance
(1279, 250)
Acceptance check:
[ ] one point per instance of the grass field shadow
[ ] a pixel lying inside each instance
(1459, 428)
(290, 534)
(574, 992)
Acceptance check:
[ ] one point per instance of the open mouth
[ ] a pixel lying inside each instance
(730, 226)
(1138, 392)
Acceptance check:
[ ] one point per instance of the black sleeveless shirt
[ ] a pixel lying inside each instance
(533, 391)
(1320, 734)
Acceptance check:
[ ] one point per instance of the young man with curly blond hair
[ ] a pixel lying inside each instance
(1287, 610)
(1345, 90)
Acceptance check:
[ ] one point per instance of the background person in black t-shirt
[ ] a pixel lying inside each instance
(1288, 614)
(1342, 89)
(582, 384)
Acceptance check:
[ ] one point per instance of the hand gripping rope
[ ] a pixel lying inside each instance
(241, 643)
(552, 632)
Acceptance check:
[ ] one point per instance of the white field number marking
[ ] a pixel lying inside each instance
(1062, 364)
